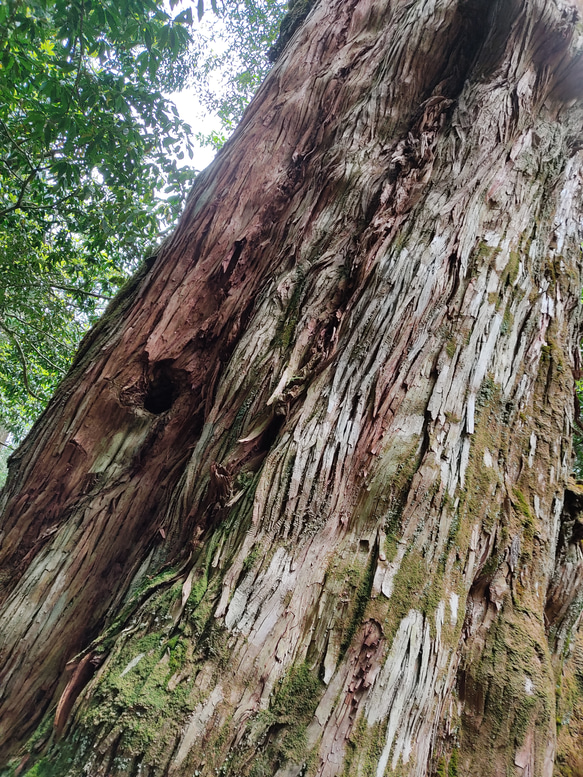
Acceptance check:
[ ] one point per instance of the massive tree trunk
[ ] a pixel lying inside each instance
(302, 506)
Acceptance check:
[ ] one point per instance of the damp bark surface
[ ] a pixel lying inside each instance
(303, 504)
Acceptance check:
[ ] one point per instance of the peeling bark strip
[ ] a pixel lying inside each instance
(302, 496)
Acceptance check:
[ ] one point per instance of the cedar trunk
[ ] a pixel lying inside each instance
(302, 505)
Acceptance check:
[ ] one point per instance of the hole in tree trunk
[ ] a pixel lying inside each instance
(161, 393)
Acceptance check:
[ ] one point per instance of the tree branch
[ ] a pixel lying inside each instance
(38, 329)
(77, 291)
(81, 49)
(17, 145)
(23, 189)
(22, 357)
(45, 358)
(51, 285)
(29, 206)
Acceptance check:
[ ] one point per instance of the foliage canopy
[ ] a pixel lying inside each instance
(87, 137)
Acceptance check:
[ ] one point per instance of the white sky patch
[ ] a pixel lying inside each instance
(186, 101)
(193, 113)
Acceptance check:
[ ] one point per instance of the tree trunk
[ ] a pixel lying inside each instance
(302, 506)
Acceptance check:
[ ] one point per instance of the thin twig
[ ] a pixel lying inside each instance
(17, 145)
(38, 329)
(11, 172)
(78, 291)
(45, 358)
(81, 49)
(51, 285)
(29, 205)
(23, 189)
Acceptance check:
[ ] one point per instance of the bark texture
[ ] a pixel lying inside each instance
(302, 506)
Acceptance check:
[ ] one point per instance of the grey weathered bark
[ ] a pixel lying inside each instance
(299, 508)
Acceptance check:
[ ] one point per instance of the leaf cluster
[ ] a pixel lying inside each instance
(228, 60)
(89, 175)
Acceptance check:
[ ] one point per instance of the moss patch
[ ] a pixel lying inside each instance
(285, 332)
(279, 735)
(360, 602)
(414, 587)
(508, 686)
(569, 760)
(364, 748)
(298, 11)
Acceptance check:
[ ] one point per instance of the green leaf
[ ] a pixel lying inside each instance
(185, 17)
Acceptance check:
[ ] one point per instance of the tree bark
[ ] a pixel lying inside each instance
(302, 505)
